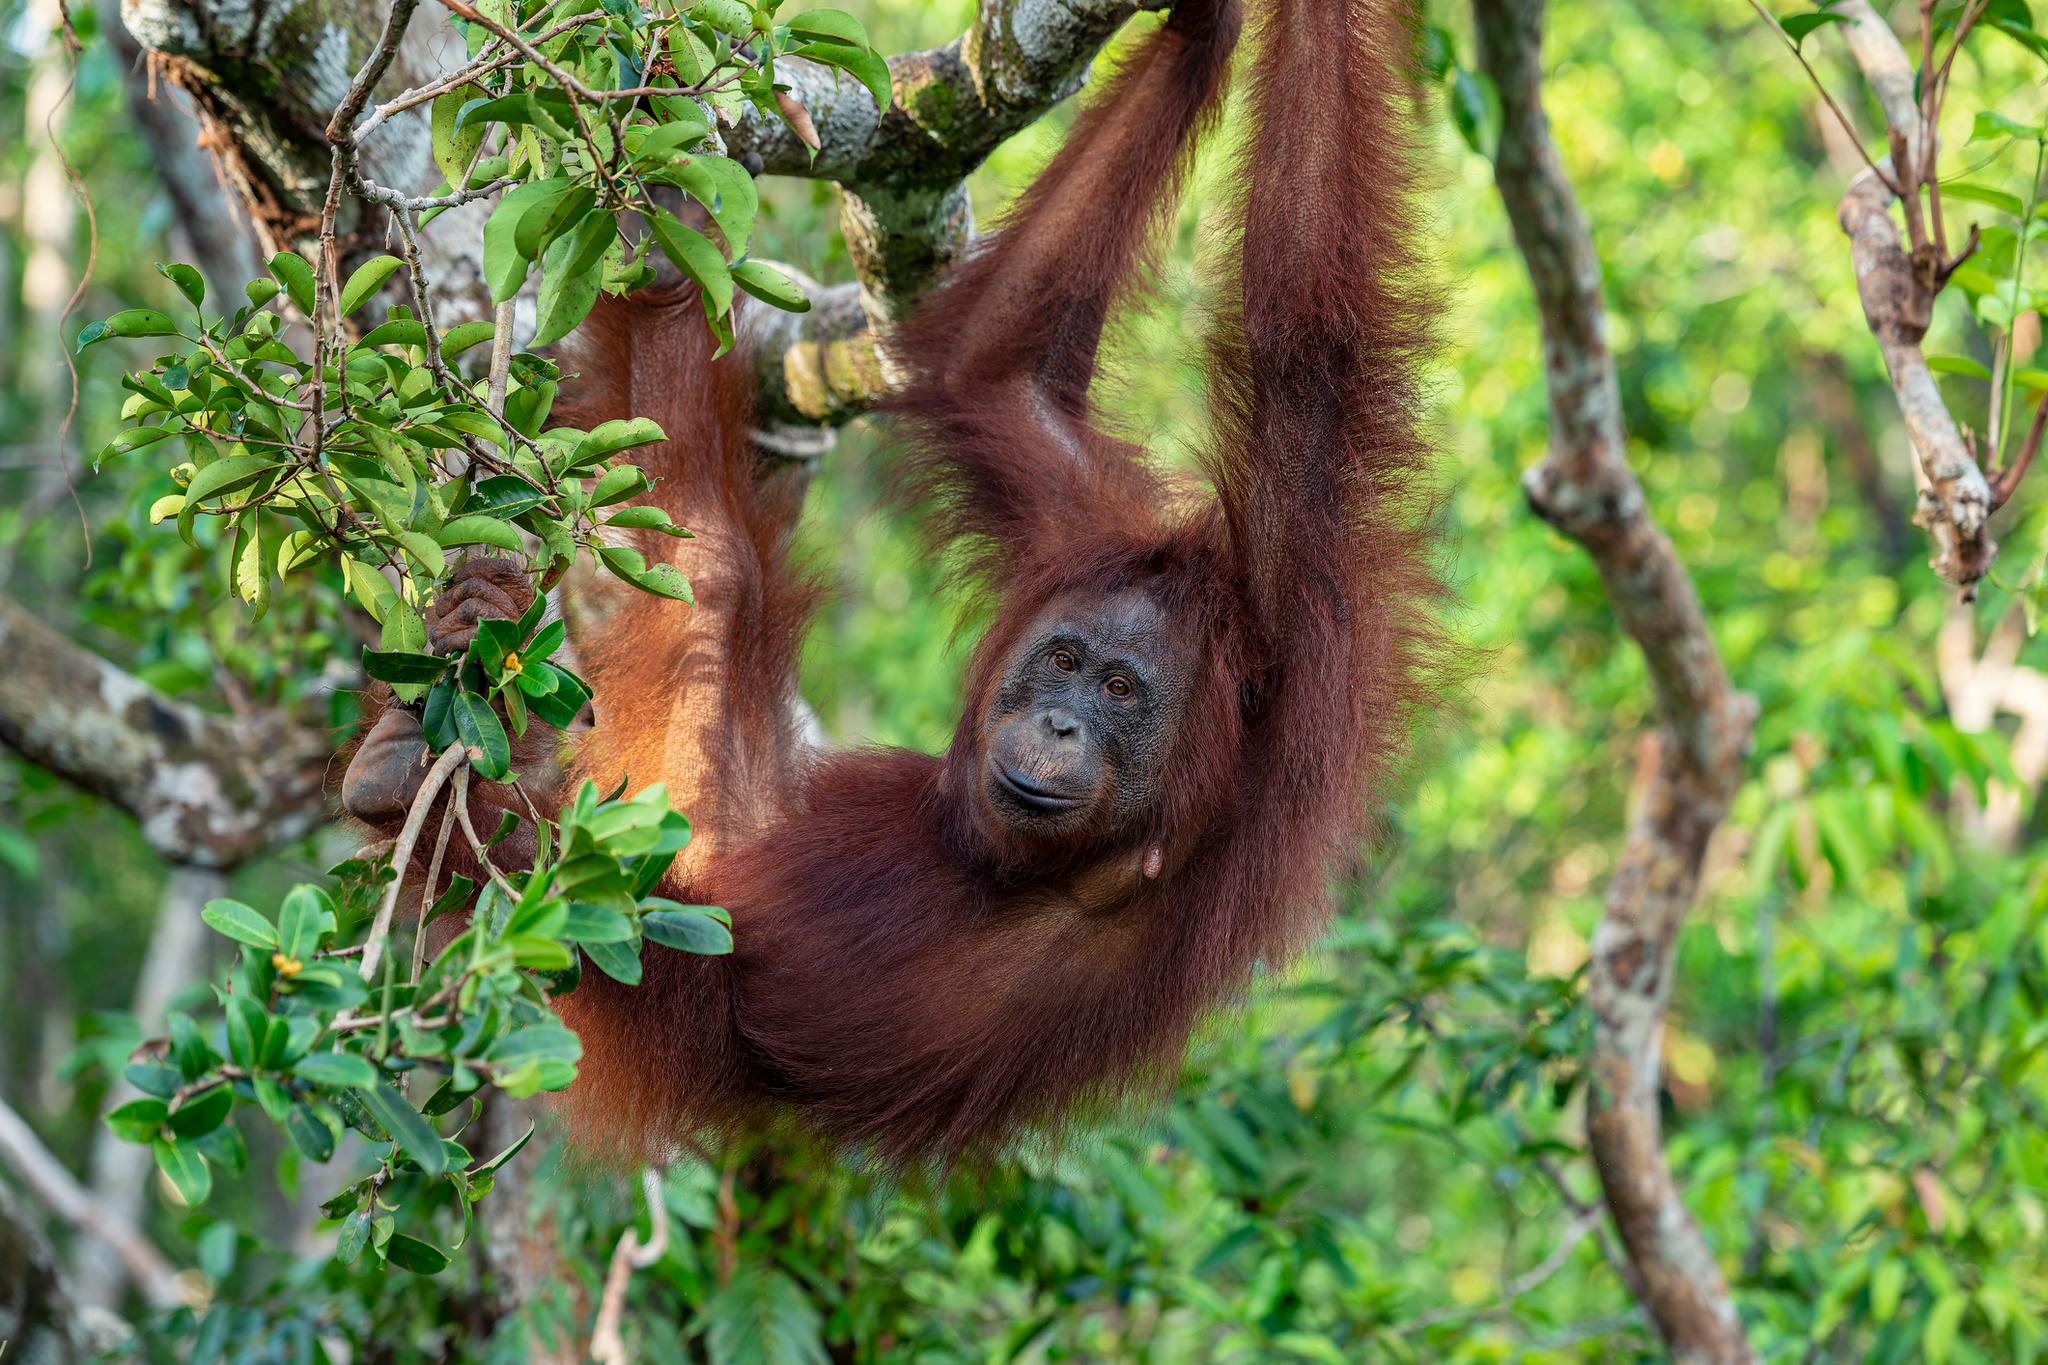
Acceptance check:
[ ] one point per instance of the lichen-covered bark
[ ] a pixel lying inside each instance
(265, 78)
(207, 789)
(1586, 489)
(1897, 289)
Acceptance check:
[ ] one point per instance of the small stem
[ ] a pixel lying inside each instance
(401, 853)
(419, 933)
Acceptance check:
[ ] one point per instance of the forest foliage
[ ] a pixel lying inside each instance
(1383, 1157)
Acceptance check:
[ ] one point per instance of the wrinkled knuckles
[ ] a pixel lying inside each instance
(480, 589)
(386, 773)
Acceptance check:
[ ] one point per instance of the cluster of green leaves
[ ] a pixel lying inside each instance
(379, 456)
(303, 1037)
(643, 90)
(409, 469)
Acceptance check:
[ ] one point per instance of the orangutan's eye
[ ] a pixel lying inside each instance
(1118, 686)
(1064, 660)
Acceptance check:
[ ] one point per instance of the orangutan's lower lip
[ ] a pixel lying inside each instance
(1031, 794)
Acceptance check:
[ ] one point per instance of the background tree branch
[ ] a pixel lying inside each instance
(1897, 288)
(1585, 488)
(209, 790)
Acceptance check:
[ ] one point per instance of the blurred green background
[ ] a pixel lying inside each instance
(1382, 1159)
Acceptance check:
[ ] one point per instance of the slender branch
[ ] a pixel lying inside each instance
(2008, 479)
(607, 1346)
(1585, 488)
(1897, 283)
(401, 853)
(1820, 88)
(47, 1178)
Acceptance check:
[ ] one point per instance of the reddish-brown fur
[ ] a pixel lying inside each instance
(907, 982)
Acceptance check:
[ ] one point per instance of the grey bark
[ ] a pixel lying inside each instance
(207, 789)
(1585, 488)
(1897, 288)
(264, 79)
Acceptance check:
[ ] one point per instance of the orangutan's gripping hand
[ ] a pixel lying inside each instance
(386, 771)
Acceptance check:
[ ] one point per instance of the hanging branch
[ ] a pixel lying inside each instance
(1585, 488)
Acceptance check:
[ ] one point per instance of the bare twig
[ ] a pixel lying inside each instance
(1586, 489)
(69, 1200)
(607, 1346)
(1820, 88)
(2007, 480)
(401, 853)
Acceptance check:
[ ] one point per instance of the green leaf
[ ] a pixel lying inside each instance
(859, 62)
(1992, 126)
(304, 921)
(160, 1081)
(1982, 194)
(410, 1253)
(771, 286)
(397, 332)
(538, 1042)
(619, 961)
(189, 281)
(552, 217)
(367, 279)
(694, 255)
(1958, 364)
(504, 268)
(727, 16)
(140, 322)
(511, 1151)
(186, 1169)
(686, 127)
(617, 484)
(566, 296)
(203, 1113)
(644, 519)
(464, 335)
(296, 276)
(225, 476)
(1938, 1333)
(138, 1120)
(2034, 379)
(609, 438)
(339, 1070)
(723, 186)
(242, 923)
(480, 530)
(354, 1236)
(313, 1131)
(834, 25)
(413, 1134)
(455, 147)
(400, 666)
(688, 928)
(424, 549)
(663, 580)
(1797, 26)
(480, 729)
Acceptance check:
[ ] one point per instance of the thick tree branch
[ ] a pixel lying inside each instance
(265, 80)
(1586, 489)
(208, 790)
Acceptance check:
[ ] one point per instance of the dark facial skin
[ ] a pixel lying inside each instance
(1085, 711)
